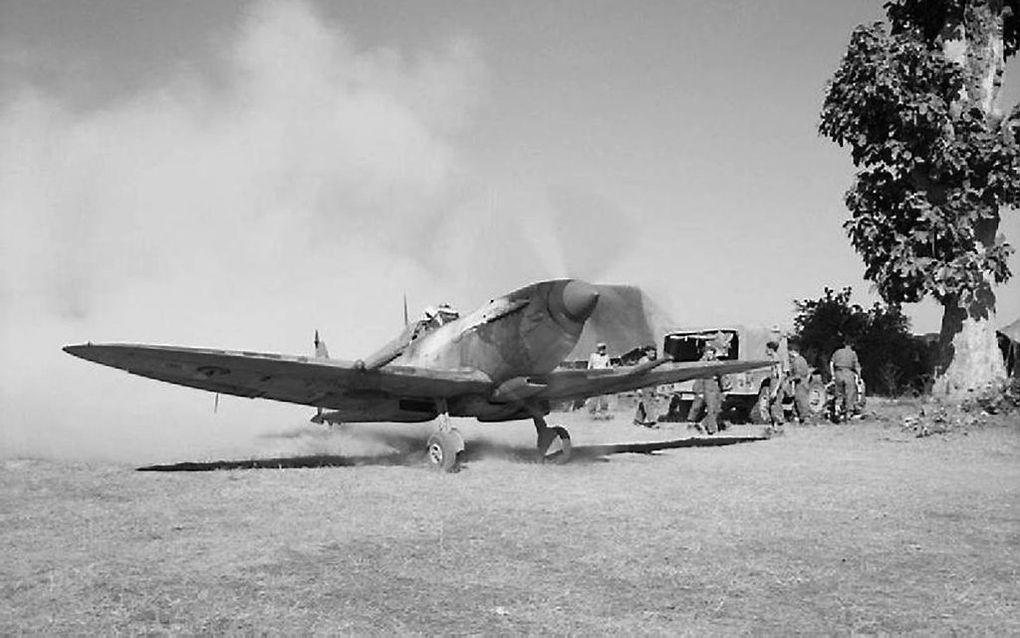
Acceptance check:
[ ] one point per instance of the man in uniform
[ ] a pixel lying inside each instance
(708, 396)
(800, 376)
(777, 383)
(845, 368)
(644, 413)
(783, 348)
(598, 406)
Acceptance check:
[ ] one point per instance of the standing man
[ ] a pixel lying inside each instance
(777, 384)
(599, 360)
(782, 350)
(845, 368)
(800, 375)
(709, 396)
(645, 412)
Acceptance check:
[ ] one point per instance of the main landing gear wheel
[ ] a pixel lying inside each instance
(553, 444)
(442, 450)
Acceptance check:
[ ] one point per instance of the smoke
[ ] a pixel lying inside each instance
(294, 181)
(239, 204)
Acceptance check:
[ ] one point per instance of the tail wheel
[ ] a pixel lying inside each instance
(442, 449)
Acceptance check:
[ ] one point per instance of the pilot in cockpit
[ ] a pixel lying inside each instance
(433, 317)
(445, 314)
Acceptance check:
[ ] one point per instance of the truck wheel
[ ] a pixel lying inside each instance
(816, 398)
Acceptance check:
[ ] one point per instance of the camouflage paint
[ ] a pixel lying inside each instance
(526, 332)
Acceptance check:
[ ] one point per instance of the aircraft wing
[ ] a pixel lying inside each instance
(563, 385)
(295, 379)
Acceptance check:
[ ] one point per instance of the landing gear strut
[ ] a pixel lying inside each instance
(445, 444)
(553, 442)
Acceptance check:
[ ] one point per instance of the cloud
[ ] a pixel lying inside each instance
(231, 204)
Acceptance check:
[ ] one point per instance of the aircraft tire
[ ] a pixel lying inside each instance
(442, 449)
(563, 454)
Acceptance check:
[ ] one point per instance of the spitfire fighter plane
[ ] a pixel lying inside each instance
(498, 363)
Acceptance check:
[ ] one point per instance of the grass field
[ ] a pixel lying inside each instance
(832, 529)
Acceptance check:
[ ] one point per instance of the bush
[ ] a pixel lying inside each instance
(1001, 399)
(892, 359)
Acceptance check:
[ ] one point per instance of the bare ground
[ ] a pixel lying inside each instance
(833, 529)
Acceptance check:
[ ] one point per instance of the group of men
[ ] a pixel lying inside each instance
(790, 380)
(598, 406)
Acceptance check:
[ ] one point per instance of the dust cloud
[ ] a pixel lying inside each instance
(241, 208)
(300, 182)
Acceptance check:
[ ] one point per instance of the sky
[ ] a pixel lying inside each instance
(240, 174)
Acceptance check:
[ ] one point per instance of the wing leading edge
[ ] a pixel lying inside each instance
(293, 379)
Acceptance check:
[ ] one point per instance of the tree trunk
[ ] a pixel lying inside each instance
(969, 352)
(970, 357)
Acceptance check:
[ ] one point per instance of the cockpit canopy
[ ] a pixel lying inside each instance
(433, 317)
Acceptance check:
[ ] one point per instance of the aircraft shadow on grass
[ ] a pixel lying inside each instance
(477, 451)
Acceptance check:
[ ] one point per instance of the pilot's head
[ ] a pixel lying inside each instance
(600, 348)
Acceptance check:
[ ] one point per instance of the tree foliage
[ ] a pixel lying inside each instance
(891, 358)
(934, 166)
(927, 20)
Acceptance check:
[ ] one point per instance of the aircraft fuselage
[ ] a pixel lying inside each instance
(526, 332)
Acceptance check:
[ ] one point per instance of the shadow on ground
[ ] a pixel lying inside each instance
(476, 450)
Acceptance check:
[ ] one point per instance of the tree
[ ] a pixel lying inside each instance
(891, 358)
(918, 103)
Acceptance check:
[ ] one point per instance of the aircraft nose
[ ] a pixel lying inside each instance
(579, 299)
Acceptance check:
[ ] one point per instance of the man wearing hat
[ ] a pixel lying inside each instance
(782, 348)
(599, 360)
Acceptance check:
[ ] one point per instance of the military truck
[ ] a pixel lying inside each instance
(747, 393)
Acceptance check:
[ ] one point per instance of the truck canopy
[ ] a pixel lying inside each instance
(739, 341)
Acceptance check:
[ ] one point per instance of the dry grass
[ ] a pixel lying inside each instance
(825, 530)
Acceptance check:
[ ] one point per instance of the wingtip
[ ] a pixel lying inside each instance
(85, 351)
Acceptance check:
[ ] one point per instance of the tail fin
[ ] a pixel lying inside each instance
(321, 352)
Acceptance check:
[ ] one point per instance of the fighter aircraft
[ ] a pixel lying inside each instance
(498, 363)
